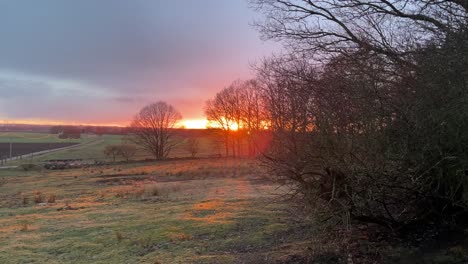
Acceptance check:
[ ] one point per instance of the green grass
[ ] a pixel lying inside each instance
(91, 151)
(202, 213)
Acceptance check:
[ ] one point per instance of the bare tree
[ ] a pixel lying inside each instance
(153, 128)
(222, 112)
(253, 117)
(127, 151)
(238, 111)
(376, 130)
(393, 28)
(112, 151)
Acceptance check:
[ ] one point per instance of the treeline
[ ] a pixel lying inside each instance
(98, 130)
(238, 112)
(366, 111)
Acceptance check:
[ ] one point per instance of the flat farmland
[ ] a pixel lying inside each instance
(91, 147)
(88, 147)
(33, 137)
(18, 149)
(23, 143)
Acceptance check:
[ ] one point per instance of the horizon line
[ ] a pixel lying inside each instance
(184, 124)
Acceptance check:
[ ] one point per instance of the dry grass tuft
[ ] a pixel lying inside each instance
(119, 236)
(152, 190)
(39, 197)
(51, 198)
(24, 227)
(24, 200)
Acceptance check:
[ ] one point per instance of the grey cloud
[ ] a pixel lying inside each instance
(125, 49)
(110, 40)
(20, 88)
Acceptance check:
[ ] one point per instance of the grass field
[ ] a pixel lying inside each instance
(207, 210)
(93, 150)
(30, 137)
(191, 211)
(92, 147)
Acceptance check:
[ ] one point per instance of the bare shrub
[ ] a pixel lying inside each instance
(377, 130)
(112, 151)
(127, 151)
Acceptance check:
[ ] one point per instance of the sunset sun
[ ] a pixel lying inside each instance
(195, 123)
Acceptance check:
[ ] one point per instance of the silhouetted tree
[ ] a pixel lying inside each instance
(392, 28)
(238, 111)
(221, 112)
(112, 151)
(376, 130)
(127, 151)
(153, 128)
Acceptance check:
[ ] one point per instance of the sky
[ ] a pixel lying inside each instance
(99, 62)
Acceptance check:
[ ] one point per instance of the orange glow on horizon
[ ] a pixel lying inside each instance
(194, 123)
(232, 125)
(201, 123)
(188, 123)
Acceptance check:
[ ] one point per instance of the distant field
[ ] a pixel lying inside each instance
(91, 151)
(92, 147)
(30, 137)
(24, 143)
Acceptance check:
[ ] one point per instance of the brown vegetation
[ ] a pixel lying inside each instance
(375, 129)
